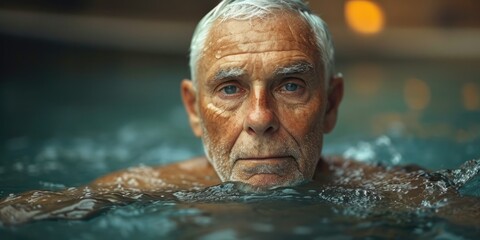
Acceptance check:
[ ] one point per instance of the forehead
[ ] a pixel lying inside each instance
(234, 40)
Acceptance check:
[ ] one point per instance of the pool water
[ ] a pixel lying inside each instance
(76, 115)
(237, 211)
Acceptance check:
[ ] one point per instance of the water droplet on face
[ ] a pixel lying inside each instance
(218, 55)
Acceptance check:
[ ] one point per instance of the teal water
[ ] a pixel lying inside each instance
(70, 116)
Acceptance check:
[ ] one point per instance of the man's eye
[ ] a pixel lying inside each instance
(291, 87)
(230, 89)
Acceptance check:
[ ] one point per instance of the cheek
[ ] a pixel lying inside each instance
(307, 128)
(306, 120)
(219, 125)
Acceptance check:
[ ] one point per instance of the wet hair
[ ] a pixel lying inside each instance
(248, 9)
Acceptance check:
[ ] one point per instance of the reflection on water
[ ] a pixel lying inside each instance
(471, 96)
(385, 98)
(366, 78)
(417, 94)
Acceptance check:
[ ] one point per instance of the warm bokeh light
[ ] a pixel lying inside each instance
(416, 94)
(364, 16)
(471, 96)
(366, 78)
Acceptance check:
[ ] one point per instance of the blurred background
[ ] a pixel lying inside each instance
(91, 86)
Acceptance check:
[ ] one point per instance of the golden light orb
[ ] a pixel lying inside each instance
(364, 16)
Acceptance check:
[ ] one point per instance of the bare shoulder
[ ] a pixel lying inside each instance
(339, 162)
(338, 169)
(334, 164)
(193, 173)
(36, 205)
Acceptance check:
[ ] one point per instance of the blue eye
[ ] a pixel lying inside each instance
(230, 89)
(291, 87)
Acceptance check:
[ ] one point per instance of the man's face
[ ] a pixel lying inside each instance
(261, 101)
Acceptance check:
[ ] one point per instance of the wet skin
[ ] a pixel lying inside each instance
(159, 183)
(262, 101)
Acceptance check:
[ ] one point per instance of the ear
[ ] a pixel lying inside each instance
(335, 95)
(189, 98)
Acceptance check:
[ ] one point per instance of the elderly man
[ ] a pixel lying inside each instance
(263, 93)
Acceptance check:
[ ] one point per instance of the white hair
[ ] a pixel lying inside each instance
(248, 9)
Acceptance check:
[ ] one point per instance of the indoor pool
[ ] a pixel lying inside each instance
(66, 122)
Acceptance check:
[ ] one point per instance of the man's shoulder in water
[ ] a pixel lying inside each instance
(396, 187)
(190, 174)
(198, 173)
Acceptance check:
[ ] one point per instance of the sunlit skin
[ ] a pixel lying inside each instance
(262, 101)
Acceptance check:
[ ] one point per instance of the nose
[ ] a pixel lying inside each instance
(261, 119)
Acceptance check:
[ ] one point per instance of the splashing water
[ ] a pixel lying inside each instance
(393, 203)
(398, 202)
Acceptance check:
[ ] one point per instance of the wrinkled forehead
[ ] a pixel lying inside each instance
(271, 33)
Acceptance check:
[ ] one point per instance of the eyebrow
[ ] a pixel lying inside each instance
(292, 69)
(228, 73)
(295, 68)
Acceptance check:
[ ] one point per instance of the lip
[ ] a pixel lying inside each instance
(263, 158)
